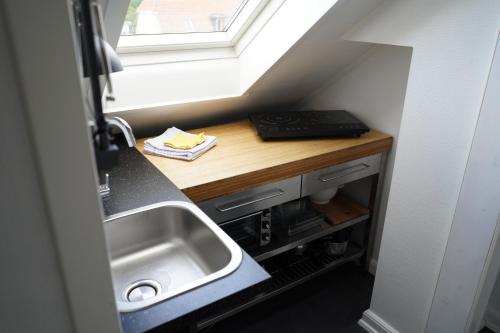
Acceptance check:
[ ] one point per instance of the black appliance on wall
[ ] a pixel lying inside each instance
(310, 124)
(98, 58)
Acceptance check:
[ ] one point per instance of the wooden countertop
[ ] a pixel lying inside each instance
(241, 160)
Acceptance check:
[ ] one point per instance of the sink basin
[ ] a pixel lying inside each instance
(162, 250)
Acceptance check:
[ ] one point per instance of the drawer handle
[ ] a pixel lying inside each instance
(248, 201)
(343, 172)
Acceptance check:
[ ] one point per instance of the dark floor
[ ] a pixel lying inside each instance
(486, 330)
(333, 302)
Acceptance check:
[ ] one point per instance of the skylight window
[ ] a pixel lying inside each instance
(146, 17)
(154, 25)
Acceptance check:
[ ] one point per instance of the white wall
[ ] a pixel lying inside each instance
(278, 35)
(373, 88)
(486, 287)
(453, 43)
(147, 86)
(56, 138)
(472, 234)
(27, 246)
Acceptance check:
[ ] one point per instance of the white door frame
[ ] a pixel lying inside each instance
(475, 219)
(42, 36)
(486, 285)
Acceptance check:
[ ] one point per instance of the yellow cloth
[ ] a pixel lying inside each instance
(182, 141)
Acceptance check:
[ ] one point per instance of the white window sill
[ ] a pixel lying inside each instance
(164, 57)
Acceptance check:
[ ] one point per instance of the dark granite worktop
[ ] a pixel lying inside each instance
(135, 183)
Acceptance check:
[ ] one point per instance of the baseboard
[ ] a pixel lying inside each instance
(372, 266)
(372, 323)
(492, 320)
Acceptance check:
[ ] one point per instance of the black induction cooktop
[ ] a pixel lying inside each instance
(296, 124)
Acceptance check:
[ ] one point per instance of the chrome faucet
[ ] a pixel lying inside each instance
(124, 127)
(104, 188)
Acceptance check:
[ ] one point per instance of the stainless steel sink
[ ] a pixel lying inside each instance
(163, 250)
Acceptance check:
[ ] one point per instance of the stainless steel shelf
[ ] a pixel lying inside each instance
(287, 243)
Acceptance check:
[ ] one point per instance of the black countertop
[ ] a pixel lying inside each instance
(135, 183)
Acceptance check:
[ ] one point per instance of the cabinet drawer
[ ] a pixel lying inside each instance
(250, 201)
(340, 174)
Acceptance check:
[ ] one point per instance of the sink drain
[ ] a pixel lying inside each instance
(141, 290)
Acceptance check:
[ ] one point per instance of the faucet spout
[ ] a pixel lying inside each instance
(124, 127)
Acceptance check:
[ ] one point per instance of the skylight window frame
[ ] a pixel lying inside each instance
(237, 26)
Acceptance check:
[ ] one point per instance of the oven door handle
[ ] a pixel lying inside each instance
(223, 224)
(249, 201)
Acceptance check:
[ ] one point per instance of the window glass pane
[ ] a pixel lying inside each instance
(180, 16)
